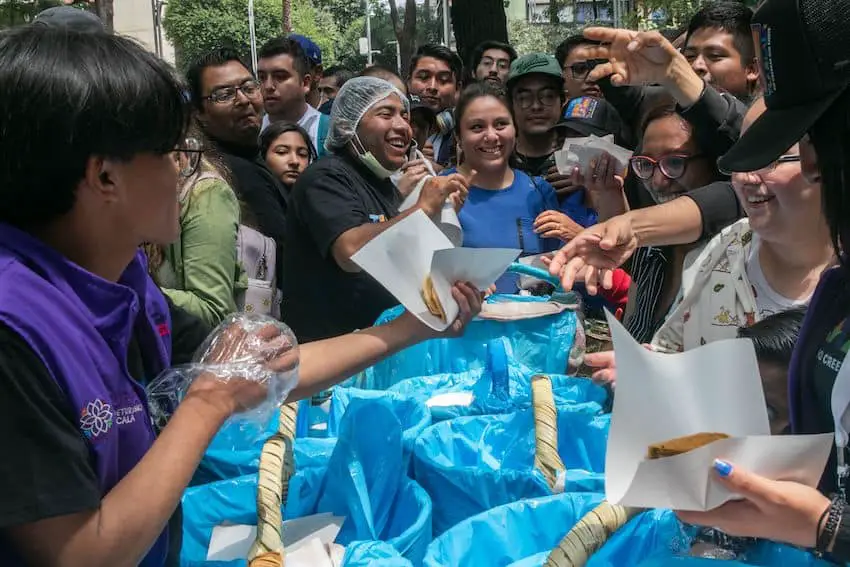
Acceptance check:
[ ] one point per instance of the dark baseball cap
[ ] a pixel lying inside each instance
(311, 50)
(70, 18)
(533, 64)
(804, 57)
(588, 115)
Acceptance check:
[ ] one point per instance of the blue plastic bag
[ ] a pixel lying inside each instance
(373, 554)
(235, 450)
(502, 386)
(541, 343)
(413, 414)
(471, 464)
(364, 481)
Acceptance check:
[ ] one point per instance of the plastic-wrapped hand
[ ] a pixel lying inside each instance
(594, 254)
(634, 58)
(248, 365)
(771, 509)
(555, 224)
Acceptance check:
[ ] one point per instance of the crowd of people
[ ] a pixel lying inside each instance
(140, 207)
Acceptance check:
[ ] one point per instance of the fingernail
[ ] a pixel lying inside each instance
(632, 45)
(723, 468)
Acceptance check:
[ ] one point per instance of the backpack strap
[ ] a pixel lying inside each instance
(322, 134)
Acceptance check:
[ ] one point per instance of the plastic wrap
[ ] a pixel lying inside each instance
(245, 347)
(471, 464)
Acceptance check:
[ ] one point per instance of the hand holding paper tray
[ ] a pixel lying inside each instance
(715, 388)
(402, 256)
(581, 151)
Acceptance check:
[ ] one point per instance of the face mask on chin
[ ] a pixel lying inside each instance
(370, 161)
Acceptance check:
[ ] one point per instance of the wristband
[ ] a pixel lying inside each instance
(828, 521)
(841, 549)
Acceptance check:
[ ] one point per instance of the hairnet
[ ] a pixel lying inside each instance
(352, 101)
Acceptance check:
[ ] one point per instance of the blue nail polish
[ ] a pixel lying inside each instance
(723, 468)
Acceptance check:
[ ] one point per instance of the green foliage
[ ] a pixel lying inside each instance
(197, 26)
(528, 38)
(18, 12)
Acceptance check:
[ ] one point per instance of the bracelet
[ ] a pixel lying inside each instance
(832, 515)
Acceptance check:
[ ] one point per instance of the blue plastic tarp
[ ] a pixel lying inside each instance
(364, 481)
(471, 464)
(235, 450)
(541, 343)
(373, 554)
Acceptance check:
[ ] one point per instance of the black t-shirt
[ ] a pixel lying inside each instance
(535, 166)
(48, 469)
(718, 205)
(333, 195)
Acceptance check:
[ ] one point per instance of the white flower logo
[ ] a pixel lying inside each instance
(96, 419)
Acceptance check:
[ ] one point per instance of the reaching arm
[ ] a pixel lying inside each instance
(353, 239)
(676, 222)
(325, 363)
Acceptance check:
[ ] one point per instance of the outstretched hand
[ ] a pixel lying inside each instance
(594, 254)
(634, 58)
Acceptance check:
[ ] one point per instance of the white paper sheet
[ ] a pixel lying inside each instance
(231, 542)
(581, 151)
(402, 256)
(715, 388)
(449, 224)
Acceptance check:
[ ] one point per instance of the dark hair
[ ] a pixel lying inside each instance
(68, 96)
(379, 71)
(565, 47)
(830, 137)
(287, 46)
(277, 129)
(340, 73)
(442, 53)
(475, 91)
(214, 58)
(774, 336)
(662, 109)
(672, 34)
(479, 50)
(733, 18)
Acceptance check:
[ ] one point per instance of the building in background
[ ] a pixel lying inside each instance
(135, 18)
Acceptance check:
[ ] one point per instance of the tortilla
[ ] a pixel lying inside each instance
(684, 444)
(432, 302)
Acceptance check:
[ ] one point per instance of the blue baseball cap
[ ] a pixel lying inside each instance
(311, 50)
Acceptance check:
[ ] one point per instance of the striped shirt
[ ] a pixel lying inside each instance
(649, 266)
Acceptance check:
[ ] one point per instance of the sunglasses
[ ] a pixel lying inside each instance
(672, 166)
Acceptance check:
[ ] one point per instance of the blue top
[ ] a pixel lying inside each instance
(573, 206)
(505, 219)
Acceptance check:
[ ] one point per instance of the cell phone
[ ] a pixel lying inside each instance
(411, 153)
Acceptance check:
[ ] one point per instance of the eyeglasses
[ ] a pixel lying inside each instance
(582, 69)
(787, 158)
(546, 97)
(228, 94)
(672, 166)
(188, 157)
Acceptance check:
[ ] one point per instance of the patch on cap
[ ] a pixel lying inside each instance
(583, 107)
(763, 41)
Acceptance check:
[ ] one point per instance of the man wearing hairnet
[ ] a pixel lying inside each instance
(343, 201)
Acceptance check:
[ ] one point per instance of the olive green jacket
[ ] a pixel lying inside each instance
(200, 272)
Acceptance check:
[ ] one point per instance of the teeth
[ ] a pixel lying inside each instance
(491, 150)
(758, 200)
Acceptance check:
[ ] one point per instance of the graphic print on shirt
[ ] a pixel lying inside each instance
(96, 419)
(831, 354)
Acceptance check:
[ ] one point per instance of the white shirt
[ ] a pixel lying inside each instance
(309, 121)
(768, 301)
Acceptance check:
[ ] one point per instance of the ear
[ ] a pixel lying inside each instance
(753, 73)
(100, 178)
(307, 83)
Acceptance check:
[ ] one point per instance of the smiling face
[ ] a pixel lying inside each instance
(487, 134)
(536, 104)
(238, 120)
(713, 55)
(284, 89)
(777, 199)
(671, 136)
(385, 131)
(288, 157)
(434, 82)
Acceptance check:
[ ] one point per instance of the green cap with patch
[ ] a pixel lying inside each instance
(531, 64)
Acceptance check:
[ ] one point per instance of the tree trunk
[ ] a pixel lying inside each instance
(286, 19)
(475, 21)
(106, 12)
(405, 32)
(554, 9)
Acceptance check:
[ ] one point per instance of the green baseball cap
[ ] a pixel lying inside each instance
(533, 63)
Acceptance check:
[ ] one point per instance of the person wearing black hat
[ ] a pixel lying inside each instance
(805, 65)
(70, 18)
